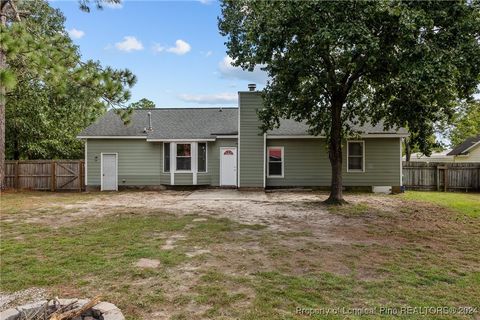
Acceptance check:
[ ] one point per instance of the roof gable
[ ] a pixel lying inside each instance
(465, 146)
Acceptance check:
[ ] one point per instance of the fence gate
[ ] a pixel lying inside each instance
(53, 175)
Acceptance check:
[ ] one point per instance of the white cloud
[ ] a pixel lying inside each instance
(228, 71)
(157, 47)
(112, 5)
(181, 47)
(206, 1)
(207, 54)
(75, 33)
(128, 44)
(218, 98)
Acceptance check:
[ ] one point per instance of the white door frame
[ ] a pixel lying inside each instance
(101, 168)
(236, 165)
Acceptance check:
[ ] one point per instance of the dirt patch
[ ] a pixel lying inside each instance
(373, 238)
(147, 263)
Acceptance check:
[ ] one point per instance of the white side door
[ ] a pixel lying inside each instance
(228, 166)
(109, 172)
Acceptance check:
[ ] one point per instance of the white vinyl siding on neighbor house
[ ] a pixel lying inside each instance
(275, 168)
(355, 156)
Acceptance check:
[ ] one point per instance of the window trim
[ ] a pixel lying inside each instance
(169, 146)
(363, 156)
(206, 157)
(191, 158)
(268, 162)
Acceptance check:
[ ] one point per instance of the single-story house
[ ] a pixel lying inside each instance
(466, 152)
(225, 148)
(441, 156)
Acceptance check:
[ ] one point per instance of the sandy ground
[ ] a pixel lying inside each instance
(281, 212)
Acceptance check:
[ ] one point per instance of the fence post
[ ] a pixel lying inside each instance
(53, 176)
(80, 175)
(17, 175)
(445, 179)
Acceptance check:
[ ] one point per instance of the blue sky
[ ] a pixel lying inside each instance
(173, 47)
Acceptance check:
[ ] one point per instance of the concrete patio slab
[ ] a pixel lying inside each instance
(227, 194)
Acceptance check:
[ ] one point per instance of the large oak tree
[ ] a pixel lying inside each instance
(335, 63)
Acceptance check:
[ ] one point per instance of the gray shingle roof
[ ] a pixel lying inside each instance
(194, 123)
(463, 147)
(185, 123)
(290, 127)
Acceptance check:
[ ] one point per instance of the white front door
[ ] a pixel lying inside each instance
(109, 172)
(228, 166)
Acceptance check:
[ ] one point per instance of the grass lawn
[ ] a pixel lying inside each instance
(380, 251)
(464, 203)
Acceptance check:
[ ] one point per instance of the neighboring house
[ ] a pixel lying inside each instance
(225, 147)
(434, 157)
(467, 151)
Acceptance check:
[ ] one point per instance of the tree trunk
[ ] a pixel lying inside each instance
(335, 154)
(3, 92)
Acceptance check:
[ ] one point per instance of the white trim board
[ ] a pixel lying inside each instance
(111, 137)
(179, 140)
(227, 137)
(386, 135)
(469, 148)
(401, 163)
(86, 164)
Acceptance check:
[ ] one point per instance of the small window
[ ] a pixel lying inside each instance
(275, 162)
(355, 156)
(184, 157)
(202, 157)
(166, 157)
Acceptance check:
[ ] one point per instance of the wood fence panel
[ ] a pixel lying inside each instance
(441, 176)
(54, 175)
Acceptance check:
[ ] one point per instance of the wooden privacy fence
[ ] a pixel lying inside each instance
(441, 176)
(52, 175)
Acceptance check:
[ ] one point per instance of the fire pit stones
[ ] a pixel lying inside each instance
(101, 311)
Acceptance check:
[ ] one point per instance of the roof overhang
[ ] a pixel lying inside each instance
(111, 137)
(179, 140)
(471, 147)
(370, 135)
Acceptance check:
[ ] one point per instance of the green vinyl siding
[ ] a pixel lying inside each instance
(183, 179)
(382, 164)
(306, 163)
(203, 178)
(139, 161)
(251, 141)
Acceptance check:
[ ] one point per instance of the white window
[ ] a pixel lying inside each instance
(356, 156)
(275, 162)
(184, 157)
